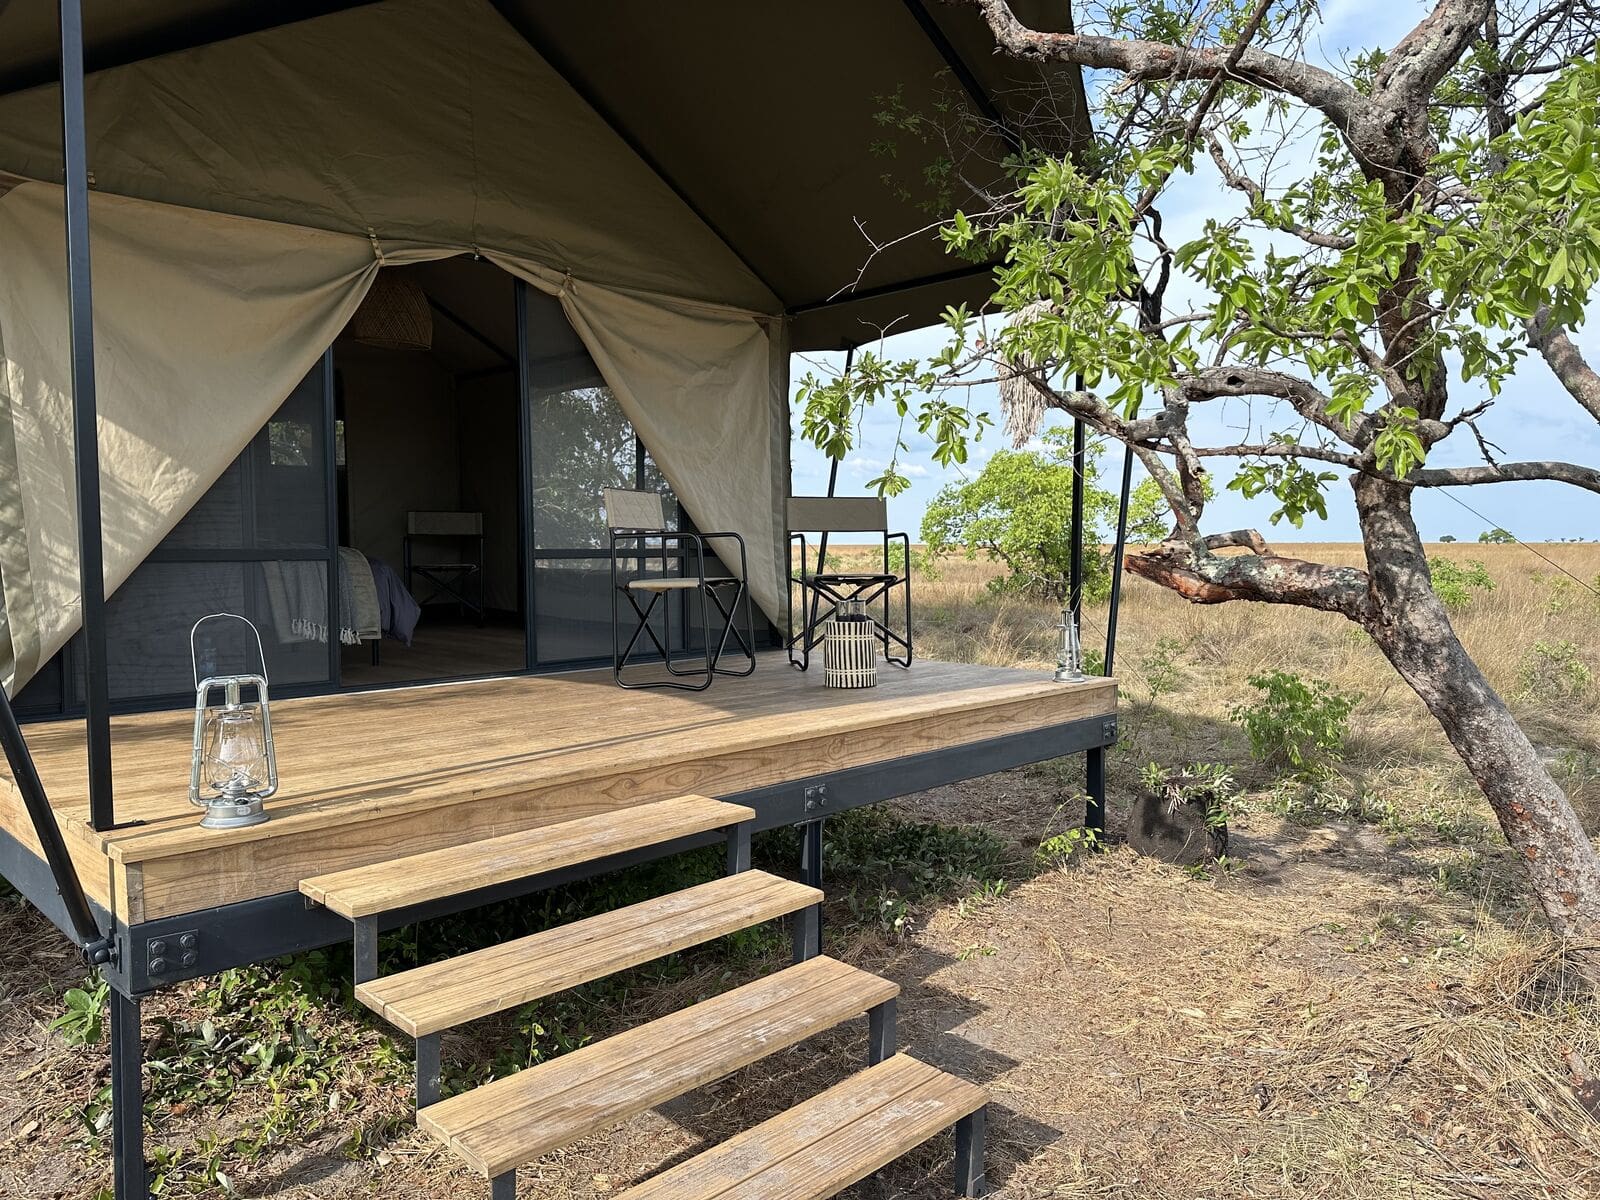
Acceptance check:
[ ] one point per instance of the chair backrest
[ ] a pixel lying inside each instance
(838, 514)
(444, 524)
(627, 509)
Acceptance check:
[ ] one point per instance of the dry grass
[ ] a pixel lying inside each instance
(1358, 1006)
(1533, 636)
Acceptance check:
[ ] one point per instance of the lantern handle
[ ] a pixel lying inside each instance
(194, 653)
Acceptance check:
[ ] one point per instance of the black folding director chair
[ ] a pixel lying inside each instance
(822, 591)
(637, 522)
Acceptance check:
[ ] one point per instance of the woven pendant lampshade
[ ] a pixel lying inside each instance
(394, 316)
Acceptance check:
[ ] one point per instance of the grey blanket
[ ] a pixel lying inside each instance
(297, 595)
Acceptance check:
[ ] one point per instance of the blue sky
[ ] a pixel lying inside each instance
(1534, 417)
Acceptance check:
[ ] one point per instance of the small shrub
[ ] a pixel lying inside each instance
(84, 1021)
(1062, 848)
(1158, 669)
(1297, 722)
(1456, 583)
(1554, 670)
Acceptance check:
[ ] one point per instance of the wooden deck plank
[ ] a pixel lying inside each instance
(511, 1121)
(378, 775)
(398, 883)
(827, 1143)
(445, 994)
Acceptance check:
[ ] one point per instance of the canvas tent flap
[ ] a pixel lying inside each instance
(697, 384)
(203, 324)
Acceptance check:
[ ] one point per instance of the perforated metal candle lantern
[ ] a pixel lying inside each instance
(234, 770)
(1069, 656)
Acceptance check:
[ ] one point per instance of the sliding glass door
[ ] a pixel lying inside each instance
(579, 444)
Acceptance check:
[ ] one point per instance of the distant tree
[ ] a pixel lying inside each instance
(1497, 537)
(1018, 511)
(1449, 537)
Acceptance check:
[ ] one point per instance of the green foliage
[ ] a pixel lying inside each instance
(1449, 537)
(1497, 537)
(1456, 583)
(831, 409)
(1018, 511)
(1297, 722)
(1554, 670)
(1298, 489)
(1061, 848)
(915, 860)
(1074, 250)
(84, 1021)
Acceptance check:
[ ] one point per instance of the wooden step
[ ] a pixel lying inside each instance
(827, 1143)
(511, 1121)
(445, 994)
(402, 882)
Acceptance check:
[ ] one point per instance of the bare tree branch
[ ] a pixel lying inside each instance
(1243, 183)
(1566, 360)
(1202, 577)
(1138, 59)
(1518, 472)
(1212, 383)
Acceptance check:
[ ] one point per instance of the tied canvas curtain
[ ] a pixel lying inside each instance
(203, 322)
(702, 386)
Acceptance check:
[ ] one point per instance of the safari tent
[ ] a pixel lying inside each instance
(332, 272)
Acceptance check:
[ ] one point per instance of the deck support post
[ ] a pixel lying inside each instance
(808, 921)
(1094, 806)
(366, 949)
(429, 1070)
(129, 1181)
(969, 1154)
(739, 847)
(503, 1187)
(881, 1032)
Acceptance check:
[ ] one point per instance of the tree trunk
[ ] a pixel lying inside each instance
(1413, 630)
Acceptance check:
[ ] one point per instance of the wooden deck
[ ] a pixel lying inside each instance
(377, 775)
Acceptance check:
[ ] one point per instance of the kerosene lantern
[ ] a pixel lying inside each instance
(234, 770)
(1069, 656)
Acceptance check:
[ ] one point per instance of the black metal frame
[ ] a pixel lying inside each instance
(710, 591)
(833, 589)
(447, 579)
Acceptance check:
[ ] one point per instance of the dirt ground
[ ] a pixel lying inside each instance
(1318, 1021)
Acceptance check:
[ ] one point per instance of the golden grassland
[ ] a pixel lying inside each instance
(1359, 1003)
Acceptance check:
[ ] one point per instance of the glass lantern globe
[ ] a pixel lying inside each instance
(235, 751)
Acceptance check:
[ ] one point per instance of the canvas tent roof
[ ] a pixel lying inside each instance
(757, 116)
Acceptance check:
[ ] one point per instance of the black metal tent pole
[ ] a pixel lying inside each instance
(85, 433)
(1075, 561)
(129, 1179)
(95, 945)
(1117, 552)
(833, 463)
(1094, 807)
